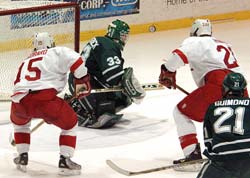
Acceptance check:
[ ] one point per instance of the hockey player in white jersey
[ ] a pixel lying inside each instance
(40, 78)
(210, 60)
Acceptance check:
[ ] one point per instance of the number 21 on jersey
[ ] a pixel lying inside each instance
(229, 58)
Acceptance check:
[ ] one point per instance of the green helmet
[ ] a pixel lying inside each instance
(118, 30)
(234, 84)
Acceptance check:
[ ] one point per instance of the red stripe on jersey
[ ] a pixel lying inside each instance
(182, 55)
(21, 137)
(68, 140)
(187, 140)
(76, 64)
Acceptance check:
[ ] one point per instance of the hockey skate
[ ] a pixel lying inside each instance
(67, 167)
(195, 155)
(21, 162)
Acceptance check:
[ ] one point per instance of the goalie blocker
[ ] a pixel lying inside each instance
(131, 86)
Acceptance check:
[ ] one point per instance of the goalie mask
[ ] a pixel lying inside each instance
(119, 31)
(43, 41)
(234, 84)
(201, 27)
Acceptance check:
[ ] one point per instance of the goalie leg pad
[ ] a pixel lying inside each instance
(122, 102)
(105, 107)
(106, 120)
(131, 85)
(103, 116)
(106, 115)
(85, 110)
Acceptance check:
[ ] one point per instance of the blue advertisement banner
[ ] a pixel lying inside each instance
(93, 9)
(90, 9)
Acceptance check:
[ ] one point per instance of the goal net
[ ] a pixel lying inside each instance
(20, 20)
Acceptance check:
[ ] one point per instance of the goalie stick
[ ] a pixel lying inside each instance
(120, 170)
(146, 87)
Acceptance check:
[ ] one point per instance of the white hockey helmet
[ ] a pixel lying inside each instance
(43, 40)
(201, 27)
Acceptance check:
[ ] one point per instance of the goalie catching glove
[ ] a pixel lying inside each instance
(82, 86)
(167, 78)
(131, 86)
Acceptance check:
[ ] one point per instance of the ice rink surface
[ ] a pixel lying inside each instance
(146, 136)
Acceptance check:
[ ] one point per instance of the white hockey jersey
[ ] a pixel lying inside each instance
(47, 68)
(203, 54)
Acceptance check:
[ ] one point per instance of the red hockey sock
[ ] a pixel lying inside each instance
(187, 140)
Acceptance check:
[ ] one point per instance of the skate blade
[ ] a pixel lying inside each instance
(68, 172)
(21, 168)
(189, 168)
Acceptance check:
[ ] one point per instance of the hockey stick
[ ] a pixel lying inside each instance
(120, 170)
(146, 87)
(182, 89)
(12, 140)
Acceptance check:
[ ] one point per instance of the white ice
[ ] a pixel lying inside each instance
(146, 137)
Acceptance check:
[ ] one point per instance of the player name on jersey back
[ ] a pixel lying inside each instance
(40, 52)
(232, 102)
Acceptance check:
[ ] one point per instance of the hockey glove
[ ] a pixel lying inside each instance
(82, 86)
(131, 86)
(167, 78)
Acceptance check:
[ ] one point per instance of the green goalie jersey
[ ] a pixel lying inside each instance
(227, 130)
(104, 61)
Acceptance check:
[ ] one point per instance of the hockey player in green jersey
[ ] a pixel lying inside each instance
(104, 61)
(227, 132)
